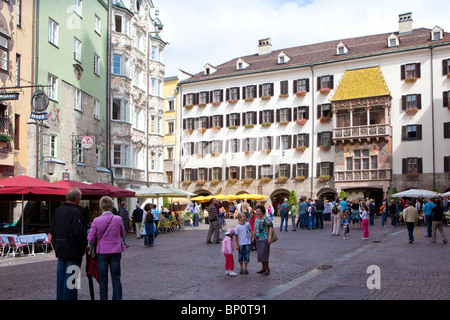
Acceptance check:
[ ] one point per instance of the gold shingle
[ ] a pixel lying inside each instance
(361, 83)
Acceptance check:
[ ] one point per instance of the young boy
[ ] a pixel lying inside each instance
(227, 250)
(244, 235)
(346, 226)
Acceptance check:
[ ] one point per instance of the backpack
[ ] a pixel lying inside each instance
(335, 209)
(313, 210)
(149, 218)
(284, 209)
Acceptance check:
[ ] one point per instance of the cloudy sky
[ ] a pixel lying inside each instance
(216, 31)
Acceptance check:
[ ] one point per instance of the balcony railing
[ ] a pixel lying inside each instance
(363, 175)
(377, 130)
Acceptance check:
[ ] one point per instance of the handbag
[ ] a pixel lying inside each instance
(92, 265)
(274, 237)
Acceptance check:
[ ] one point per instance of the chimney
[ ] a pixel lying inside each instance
(265, 46)
(405, 23)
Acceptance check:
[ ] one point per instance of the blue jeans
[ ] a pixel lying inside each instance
(429, 223)
(293, 223)
(113, 261)
(303, 220)
(393, 219)
(284, 216)
(410, 226)
(383, 218)
(311, 222)
(62, 291)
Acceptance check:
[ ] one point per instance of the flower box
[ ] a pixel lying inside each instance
(233, 127)
(411, 79)
(248, 153)
(232, 101)
(189, 131)
(249, 126)
(214, 154)
(265, 180)
(266, 151)
(249, 99)
(301, 122)
(300, 93)
(325, 90)
(217, 128)
(5, 137)
(202, 105)
(282, 179)
(232, 181)
(186, 183)
(283, 95)
(300, 148)
(411, 111)
(215, 182)
(325, 148)
(266, 97)
(216, 104)
(189, 106)
(324, 119)
(247, 181)
(202, 130)
(200, 182)
(283, 123)
(300, 178)
(412, 175)
(448, 75)
(324, 178)
(266, 124)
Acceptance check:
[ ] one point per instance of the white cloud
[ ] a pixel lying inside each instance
(215, 31)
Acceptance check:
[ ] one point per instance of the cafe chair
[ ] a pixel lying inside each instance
(16, 247)
(4, 245)
(47, 242)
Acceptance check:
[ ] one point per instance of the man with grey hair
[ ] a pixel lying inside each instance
(69, 238)
(214, 227)
(123, 213)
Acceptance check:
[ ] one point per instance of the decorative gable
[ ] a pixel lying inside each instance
(241, 64)
(437, 33)
(341, 49)
(393, 41)
(283, 58)
(208, 69)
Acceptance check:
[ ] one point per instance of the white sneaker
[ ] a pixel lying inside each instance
(232, 273)
(227, 272)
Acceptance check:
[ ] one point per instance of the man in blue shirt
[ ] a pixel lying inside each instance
(156, 214)
(427, 216)
(343, 204)
(302, 219)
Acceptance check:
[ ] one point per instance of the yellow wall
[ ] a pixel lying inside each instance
(170, 85)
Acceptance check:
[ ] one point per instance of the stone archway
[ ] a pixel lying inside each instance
(327, 192)
(277, 198)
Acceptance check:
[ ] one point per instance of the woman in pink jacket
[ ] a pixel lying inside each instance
(106, 233)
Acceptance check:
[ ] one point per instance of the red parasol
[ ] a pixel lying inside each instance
(87, 190)
(116, 191)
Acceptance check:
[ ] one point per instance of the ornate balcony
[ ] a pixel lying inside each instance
(363, 175)
(362, 132)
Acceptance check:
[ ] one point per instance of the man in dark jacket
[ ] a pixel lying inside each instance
(69, 238)
(214, 227)
(123, 213)
(137, 219)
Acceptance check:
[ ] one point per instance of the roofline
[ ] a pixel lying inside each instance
(315, 64)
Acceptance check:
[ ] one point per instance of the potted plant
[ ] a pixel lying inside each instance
(217, 128)
(325, 148)
(325, 91)
(216, 103)
(266, 151)
(285, 95)
(249, 99)
(202, 130)
(232, 101)
(248, 153)
(282, 179)
(411, 79)
(189, 131)
(283, 123)
(202, 105)
(249, 126)
(232, 181)
(247, 181)
(5, 137)
(266, 97)
(300, 178)
(215, 154)
(411, 111)
(215, 182)
(200, 182)
(300, 148)
(266, 124)
(265, 180)
(300, 93)
(186, 183)
(325, 119)
(301, 122)
(189, 106)
(412, 175)
(233, 127)
(324, 178)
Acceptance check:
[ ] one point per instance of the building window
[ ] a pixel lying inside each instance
(97, 24)
(234, 145)
(301, 113)
(169, 176)
(77, 49)
(410, 71)
(96, 109)
(4, 120)
(284, 90)
(284, 171)
(79, 7)
(302, 170)
(170, 127)
(324, 169)
(234, 119)
(53, 146)
(234, 94)
(266, 171)
(218, 96)
(52, 87)
(302, 140)
(284, 115)
(19, 13)
(250, 92)
(250, 172)
(120, 110)
(120, 24)
(249, 144)
(301, 85)
(266, 90)
(77, 100)
(445, 67)
(411, 101)
(52, 32)
(266, 116)
(361, 160)
(217, 174)
(96, 64)
(170, 153)
(80, 153)
(412, 132)
(324, 139)
(325, 82)
(266, 143)
(446, 99)
(17, 131)
(324, 111)
(4, 53)
(412, 165)
(156, 53)
(120, 65)
(204, 97)
(120, 156)
(17, 75)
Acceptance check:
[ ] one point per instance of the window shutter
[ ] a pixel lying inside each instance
(227, 146)
(306, 170)
(182, 174)
(307, 85)
(278, 115)
(418, 73)
(404, 132)
(227, 95)
(288, 169)
(319, 83)
(221, 95)
(331, 169)
(319, 111)
(244, 118)
(289, 114)
(307, 140)
(260, 90)
(284, 87)
(331, 82)
(295, 141)
(238, 119)
(228, 120)
(272, 116)
(184, 124)
(445, 99)
(196, 98)
(419, 132)
(294, 113)
(319, 139)
(184, 99)
(402, 72)
(260, 144)
(210, 176)
(444, 67)
(405, 165)
(446, 130)
(244, 92)
(318, 170)
(238, 93)
(211, 96)
(295, 86)
(243, 173)
(227, 173)
(260, 117)
(307, 113)
(446, 164)
(419, 101)
(272, 86)
(259, 172)
(419, 165)
(404, 102)
(238, 145)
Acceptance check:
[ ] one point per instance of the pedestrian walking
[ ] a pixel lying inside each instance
(393, 212)
(263, 237)
(123, 213)
(214, 227)
(437, 214)
(411, 217)
(69, 231)
(365, 222)
(427, 208)
(371, 211)
(107, 233)
(319, 213)
(150, 226)
(243, 239)
(227, 250)
(284, 213)
(345, 227)
(336, 215)
(137, 218)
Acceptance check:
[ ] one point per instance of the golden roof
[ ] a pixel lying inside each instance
(361, 83)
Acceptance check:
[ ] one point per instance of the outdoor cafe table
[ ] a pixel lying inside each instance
(27, 238)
